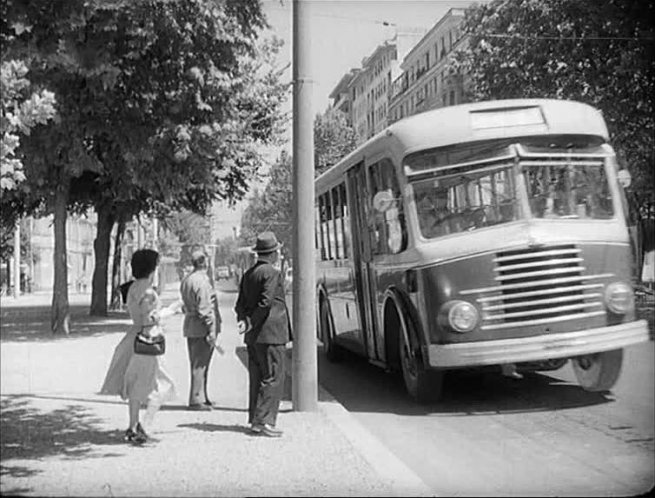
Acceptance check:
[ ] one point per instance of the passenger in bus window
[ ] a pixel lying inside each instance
(432, 214)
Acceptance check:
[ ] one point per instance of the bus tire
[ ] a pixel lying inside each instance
(598, 371)
(422, 384)
(332, 351)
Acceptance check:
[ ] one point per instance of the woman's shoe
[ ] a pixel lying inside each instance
(129, 435)
(140, 438)
(136, 437)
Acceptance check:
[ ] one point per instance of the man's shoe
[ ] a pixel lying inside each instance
(200, 408)
(269, 431)
(255, 429)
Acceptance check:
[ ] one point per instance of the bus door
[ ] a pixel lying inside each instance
(361, 245)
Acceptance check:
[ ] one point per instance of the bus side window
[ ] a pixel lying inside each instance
(390, 231)
(324, 214)
(345, 221)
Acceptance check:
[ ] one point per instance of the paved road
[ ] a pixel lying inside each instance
(496, 436)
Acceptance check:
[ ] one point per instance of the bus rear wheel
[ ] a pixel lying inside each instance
(332, 351)
(422, 384)
(598, 371)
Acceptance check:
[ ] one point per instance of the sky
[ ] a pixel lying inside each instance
(346, 31)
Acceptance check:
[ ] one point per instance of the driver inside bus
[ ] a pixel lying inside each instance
(432, 213)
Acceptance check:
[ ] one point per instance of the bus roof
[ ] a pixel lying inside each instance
(479, 121)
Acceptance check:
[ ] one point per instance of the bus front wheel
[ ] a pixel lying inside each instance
(332, 351)
(422, 384)
(598, 371)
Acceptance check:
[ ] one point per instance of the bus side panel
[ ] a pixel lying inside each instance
(339, 283)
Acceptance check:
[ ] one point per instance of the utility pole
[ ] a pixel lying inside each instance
(305, 375)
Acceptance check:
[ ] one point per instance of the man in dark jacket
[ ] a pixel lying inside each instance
(199, 328)
(262, 314)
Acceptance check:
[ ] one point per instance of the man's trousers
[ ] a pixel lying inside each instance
(266, 371)
(200, 354)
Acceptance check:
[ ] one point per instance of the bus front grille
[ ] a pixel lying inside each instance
(540, 285)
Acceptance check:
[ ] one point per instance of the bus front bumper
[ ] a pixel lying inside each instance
(544, 347)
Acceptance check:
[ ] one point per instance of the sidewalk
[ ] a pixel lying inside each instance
(60, 438)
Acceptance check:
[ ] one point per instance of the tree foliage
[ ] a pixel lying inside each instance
(272, 208)
(188, 227)
(23, 108)
(333, 139)
(163, 105)
(600, 53)
(225, 253)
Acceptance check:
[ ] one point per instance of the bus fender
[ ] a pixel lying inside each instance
(321, 297)
(407, 316)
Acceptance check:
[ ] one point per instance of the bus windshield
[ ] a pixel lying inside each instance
(460, 202)
(465, 188)
(567, 183)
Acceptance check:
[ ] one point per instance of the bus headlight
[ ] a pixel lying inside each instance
(461, 316)
(619, 298)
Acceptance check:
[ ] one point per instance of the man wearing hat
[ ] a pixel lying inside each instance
(199, 328)
(263, 316)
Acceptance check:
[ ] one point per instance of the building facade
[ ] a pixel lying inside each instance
(424, 82)
(80, 234)
(343, 95)
(370, 86)
(403, 76)
(362, 94)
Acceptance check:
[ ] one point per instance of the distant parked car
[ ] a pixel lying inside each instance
(222, 272)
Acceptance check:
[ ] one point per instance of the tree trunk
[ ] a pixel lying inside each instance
(101, 246)
(116, 268)
(60, 312)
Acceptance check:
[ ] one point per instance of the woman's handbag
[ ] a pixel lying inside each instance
(149, 345)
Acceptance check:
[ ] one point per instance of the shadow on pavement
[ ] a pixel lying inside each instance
(216, 427)
(360, 386)
(32, 323)
(29, 433)
(185, 408)
(107, 400)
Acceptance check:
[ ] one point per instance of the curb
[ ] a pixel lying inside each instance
(389, 468)
(403, 480)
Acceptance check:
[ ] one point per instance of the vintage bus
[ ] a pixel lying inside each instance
(475, 236)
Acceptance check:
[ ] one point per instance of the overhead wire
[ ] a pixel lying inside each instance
(576, 38)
